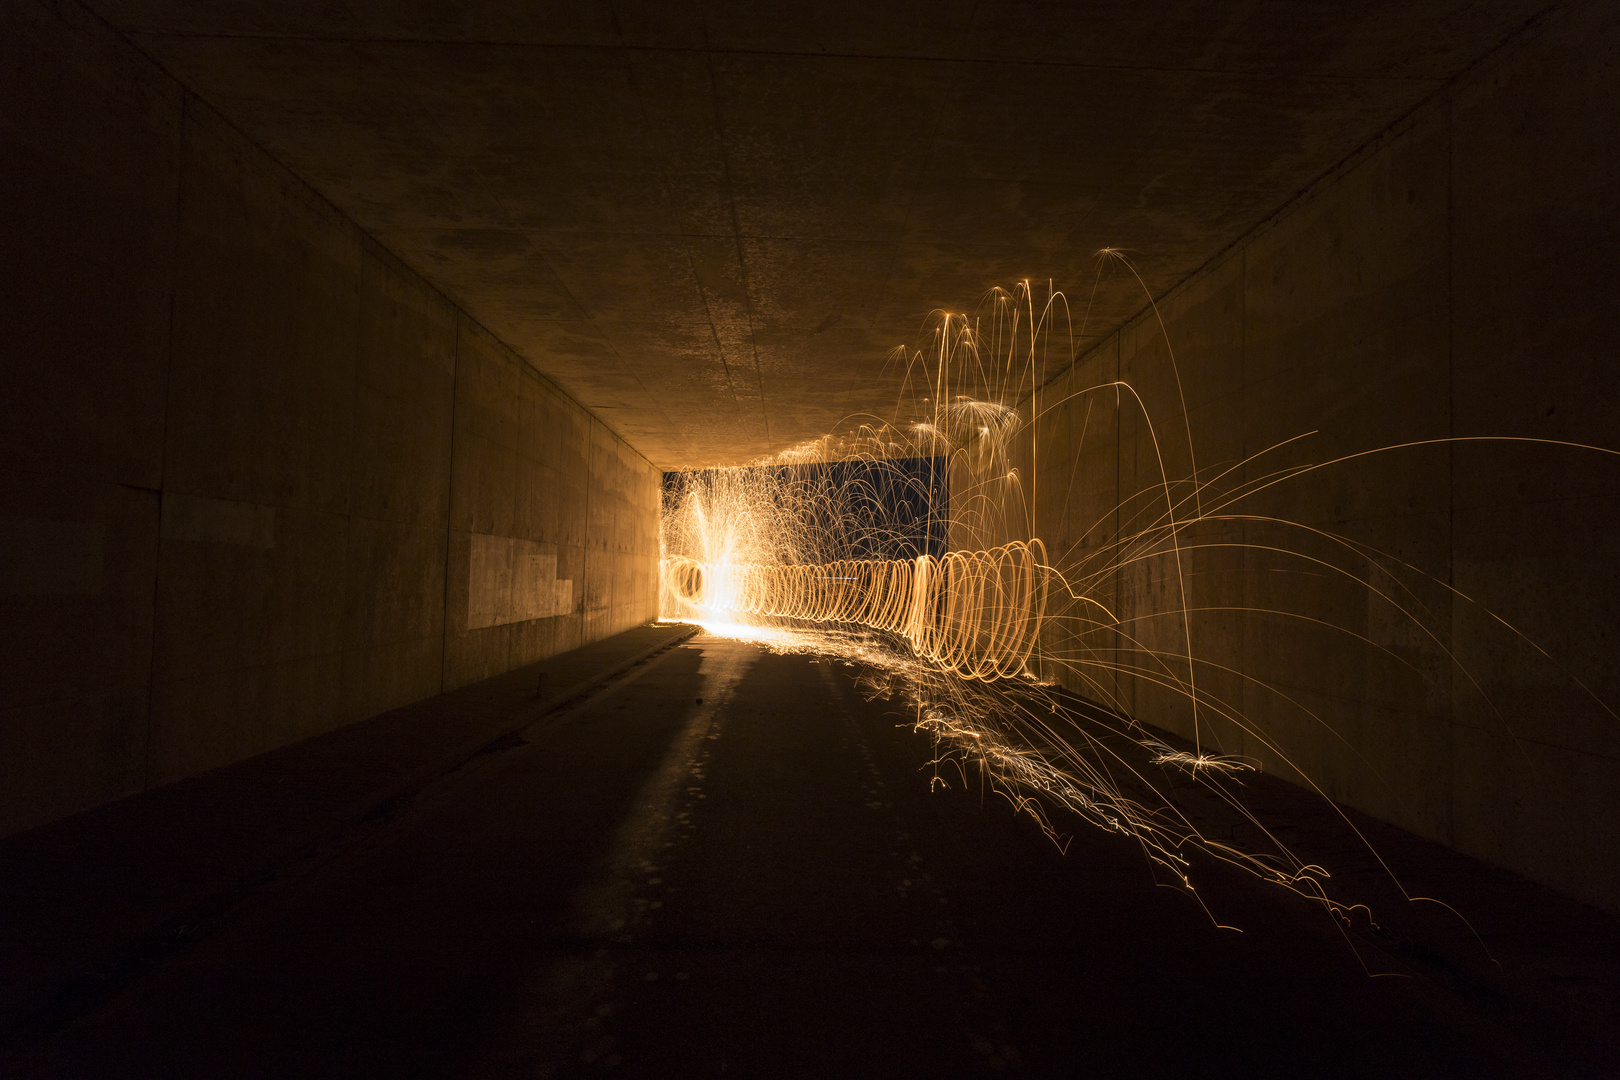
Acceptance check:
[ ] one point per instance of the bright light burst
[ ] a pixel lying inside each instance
(911, 545)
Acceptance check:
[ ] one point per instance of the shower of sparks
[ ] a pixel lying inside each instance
(1006, 647)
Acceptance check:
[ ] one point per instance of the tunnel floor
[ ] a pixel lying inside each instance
(727, 862)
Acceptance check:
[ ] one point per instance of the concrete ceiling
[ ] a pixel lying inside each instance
(711, 221)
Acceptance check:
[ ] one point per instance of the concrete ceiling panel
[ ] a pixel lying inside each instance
(712, 223)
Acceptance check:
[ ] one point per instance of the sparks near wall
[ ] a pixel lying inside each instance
(1120, 534)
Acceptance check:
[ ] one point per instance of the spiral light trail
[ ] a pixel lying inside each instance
(974, 613)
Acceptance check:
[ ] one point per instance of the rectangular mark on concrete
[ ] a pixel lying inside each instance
(511, 580)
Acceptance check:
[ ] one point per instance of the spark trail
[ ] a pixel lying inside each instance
(1032, 616)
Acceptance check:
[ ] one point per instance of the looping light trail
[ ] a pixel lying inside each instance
(976, 614)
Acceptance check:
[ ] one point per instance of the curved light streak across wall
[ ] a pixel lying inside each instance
(1075, 557)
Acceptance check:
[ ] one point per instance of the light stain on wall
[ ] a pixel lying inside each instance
(511, 580)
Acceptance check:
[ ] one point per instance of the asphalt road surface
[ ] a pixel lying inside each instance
(731, 864)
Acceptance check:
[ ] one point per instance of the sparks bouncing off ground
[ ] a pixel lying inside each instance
(919, 545)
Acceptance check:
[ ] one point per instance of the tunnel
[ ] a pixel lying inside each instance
(880, 540)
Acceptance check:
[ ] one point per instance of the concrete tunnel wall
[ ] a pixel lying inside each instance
(259, 479)
(1454, 279)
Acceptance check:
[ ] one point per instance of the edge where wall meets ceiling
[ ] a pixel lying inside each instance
(711, 224)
